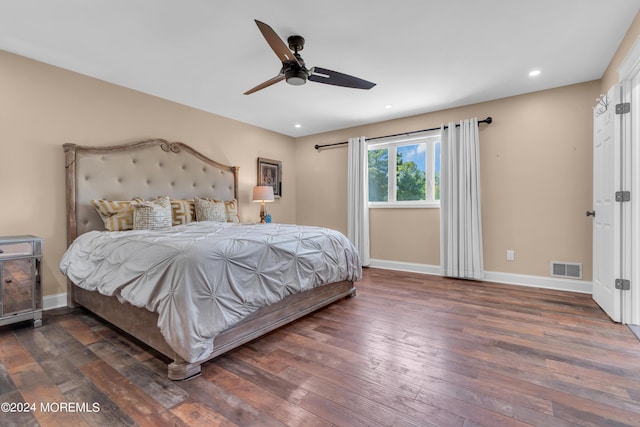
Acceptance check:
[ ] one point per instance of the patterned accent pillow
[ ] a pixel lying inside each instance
(231, 210)
(210, 210)
(182, 211)
(117, 215)
(152, 215)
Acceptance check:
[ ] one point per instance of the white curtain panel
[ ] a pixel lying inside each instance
(358, 198)
(460, 218)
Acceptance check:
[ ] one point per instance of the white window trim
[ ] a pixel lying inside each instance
(413, 204)
(430, 138)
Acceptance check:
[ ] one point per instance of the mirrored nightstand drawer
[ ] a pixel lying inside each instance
(16, 249)
(20, 281)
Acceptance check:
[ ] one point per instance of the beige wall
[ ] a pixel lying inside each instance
(536, 183)
(536, 179)
(42, 107)
(536, 164)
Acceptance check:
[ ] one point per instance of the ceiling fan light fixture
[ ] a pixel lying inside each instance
(296, 77)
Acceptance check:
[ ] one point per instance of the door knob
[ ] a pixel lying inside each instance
(591, 213)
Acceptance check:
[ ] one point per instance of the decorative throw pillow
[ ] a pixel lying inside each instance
(152, 214)
(182, 211)
(210, 210)
(231, 210)
(117, 215)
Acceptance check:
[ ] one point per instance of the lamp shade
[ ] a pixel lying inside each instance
(263, 193)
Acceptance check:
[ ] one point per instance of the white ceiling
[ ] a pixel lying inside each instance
(424, 55)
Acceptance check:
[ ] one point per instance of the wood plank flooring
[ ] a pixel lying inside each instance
(409, 350)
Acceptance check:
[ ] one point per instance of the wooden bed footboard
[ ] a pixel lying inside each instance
(142, 324)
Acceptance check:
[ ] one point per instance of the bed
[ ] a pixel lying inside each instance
(153, 168)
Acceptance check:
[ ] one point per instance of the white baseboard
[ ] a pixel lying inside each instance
(555, 283)
(406, 266)
(49, 302)
(559, 284)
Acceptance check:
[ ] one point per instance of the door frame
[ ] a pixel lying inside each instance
(629, 76)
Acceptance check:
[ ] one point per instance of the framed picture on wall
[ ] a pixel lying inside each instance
(270, 173)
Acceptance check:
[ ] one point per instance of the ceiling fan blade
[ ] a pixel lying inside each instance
(322, 75)
(279, 47)
(268, 83)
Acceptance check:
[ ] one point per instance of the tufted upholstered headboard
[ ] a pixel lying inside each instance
(146, 169)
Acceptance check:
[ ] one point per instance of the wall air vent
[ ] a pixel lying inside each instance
(568, 270)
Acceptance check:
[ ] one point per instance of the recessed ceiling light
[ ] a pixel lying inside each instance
(297, 126)
(534, 73)
(388, 106)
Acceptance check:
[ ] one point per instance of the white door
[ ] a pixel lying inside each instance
(606, 180)
(629, 73)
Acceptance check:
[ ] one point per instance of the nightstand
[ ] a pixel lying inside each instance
(20, 285)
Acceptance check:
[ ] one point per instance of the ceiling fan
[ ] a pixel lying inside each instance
(293, 69)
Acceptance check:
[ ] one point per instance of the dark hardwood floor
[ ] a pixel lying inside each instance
(410, 349)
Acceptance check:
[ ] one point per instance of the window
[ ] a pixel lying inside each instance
(405, 172)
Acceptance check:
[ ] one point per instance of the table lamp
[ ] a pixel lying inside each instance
(262, 194)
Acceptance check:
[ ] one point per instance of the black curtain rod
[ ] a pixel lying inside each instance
(488, 120)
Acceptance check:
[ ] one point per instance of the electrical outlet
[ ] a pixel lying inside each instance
(511, 255)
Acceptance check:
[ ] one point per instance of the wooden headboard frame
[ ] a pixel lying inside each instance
(146, 169)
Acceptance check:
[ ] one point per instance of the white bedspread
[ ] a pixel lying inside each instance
(203, 277)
